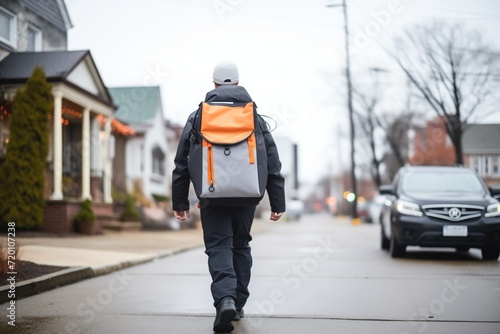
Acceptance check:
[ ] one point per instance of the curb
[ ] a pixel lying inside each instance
(47, 282)
(73, 275)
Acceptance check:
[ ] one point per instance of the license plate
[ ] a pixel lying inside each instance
(454, 231)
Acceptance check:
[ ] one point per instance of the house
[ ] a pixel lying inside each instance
(142, 165)
(481, 148)
(33, 25)
(79, 163)
(431, 145)
(173, 133)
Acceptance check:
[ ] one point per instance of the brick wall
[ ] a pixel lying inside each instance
(59, 215)
(102, 208)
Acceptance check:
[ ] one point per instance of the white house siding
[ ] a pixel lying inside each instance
(139, 159)
(155, 137)
(96, 146)
(172, 144)
(134, 161)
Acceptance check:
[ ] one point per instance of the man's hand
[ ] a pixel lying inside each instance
(276, 215)
(182, 215)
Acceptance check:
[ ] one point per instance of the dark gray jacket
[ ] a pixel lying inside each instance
(180, 176)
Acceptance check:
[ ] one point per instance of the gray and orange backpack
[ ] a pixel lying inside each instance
(227, 158)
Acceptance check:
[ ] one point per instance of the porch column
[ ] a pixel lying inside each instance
(86, 154)
(107, 163)
(57, 160)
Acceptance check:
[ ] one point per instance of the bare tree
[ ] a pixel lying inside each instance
(452, 69)
(368, 123)
(395, 126)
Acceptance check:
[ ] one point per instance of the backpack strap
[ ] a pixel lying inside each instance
(194, 128)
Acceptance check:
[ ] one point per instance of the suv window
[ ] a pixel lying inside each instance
(441, 182)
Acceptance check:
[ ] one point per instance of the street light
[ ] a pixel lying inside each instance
(354, 206)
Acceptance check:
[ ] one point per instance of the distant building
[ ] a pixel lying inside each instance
(430, 145)
(480, 144)
(481, 148)
(142, 161)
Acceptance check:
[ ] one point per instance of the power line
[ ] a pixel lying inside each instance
(451, 10)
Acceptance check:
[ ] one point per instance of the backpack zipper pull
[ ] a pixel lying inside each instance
(210, 168)
(251, 146)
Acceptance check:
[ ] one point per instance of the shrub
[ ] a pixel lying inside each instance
(160, 198)
(22, 180)
(129, 212)
(85, 214)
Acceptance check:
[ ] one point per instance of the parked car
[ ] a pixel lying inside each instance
(376, 208)
(363, 211)
(440, 206)
(294, 209)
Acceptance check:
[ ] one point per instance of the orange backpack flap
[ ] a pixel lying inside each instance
(227, 124)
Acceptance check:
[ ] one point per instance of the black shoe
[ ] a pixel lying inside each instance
(239, 314)
(226, 311)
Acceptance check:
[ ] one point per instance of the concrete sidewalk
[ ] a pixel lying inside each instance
(91, 256)
(319, 275)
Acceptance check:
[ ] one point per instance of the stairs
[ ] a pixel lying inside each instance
(111, 222)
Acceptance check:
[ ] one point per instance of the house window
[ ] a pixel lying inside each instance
(158, 161)
(475, 164)
(34, 39)
(8, 27)
(486, 164)
(495, 165)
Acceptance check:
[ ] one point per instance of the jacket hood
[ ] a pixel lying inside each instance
(228, 93)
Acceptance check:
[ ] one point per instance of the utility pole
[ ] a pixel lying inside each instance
(354, 206)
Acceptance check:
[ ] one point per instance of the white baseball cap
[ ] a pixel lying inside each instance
(226, 73)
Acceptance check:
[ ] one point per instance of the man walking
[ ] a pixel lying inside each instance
(226, 230)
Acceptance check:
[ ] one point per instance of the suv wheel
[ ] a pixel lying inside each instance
(396, 249)
(385, 243)
(490, 253)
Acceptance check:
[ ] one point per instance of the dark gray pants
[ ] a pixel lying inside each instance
(226, 232)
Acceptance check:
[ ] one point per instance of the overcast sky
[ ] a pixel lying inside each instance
(289, 53)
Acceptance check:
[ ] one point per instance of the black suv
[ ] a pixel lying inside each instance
(440, 206)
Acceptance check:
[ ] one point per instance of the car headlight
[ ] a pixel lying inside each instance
(408, 208)
(493, 210)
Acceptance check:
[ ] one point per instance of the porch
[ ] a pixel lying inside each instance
(79, 163)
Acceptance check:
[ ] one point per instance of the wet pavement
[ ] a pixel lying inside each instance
(317, 275)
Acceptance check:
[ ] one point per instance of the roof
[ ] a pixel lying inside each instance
(136, 104)
(482, 138)
(448, 168)
(53, 11)
(17, 68)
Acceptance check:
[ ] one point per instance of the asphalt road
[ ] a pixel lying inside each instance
(318, 275)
